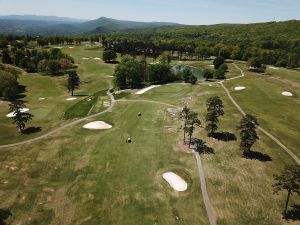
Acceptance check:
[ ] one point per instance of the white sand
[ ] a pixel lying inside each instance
(12, 114)
(71, 47)
(42, 99)
(286, 93)
(97, 58)
(71, 99)
(58, 47)
(274, 68)
(142, 91)
(97, 125)
(85, 58)
(212, 65)
(175, 181)
(106, 103)
(239, 88)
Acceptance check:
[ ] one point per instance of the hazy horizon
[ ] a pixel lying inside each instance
(202, 11)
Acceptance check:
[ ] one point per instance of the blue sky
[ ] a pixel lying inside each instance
(182, 11)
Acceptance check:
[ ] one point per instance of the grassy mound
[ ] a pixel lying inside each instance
(83, 107)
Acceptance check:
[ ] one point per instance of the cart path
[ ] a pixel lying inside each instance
(276, 140)
(207, 203)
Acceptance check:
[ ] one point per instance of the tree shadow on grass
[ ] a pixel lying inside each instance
(224, 136)
(257, 156)
(207, 150)
(32, 130)
(80, 95)
(4, 215)
(293, 214)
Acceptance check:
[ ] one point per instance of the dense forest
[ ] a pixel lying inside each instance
(276, 43)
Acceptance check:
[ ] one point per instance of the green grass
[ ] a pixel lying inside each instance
(83, 107)
(50, 112)
(240, 190)
(262, 97)
(92, 177)
(89, 177)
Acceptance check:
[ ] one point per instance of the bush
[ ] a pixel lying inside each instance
(218, 62)
(109, 56)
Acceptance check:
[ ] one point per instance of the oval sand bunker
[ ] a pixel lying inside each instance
(97, 125)
(175, 181)
(12, 114)
(239, 88)
(71, 99)
(286, 93)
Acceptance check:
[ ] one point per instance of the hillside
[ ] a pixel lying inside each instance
(39, 25)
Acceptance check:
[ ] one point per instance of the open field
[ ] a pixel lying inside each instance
(94, 177)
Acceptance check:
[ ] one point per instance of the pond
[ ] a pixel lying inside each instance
(196, 72)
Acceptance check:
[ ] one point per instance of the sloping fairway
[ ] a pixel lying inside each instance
(49, 113)
(94, 177)
(262, 97)
(240, 190)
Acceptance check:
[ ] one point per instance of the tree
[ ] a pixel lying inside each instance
(220, 73)
(159, 73)
(20, 118)
(288, 181)
(218, 62)
(8, 85)
(73, 81)
(165, 58)
(184, 115)
(208, 74)
(188, 76)
(192, 122)
(65, 63)
(109, 56)
(129, 73)
(53, 67)
(248, 134)
(6, 58)
(256, 65)
(214, 110)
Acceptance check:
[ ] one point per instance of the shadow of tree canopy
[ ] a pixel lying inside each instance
(293, 214)
(224, 136)
(4, 215)
(257, 156)
(32, 130)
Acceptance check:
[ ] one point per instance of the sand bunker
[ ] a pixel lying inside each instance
(71, 99)
(142, 91)
(97, 58)
(58, 47)
(71, 47)
(42, 99)
(12, 114)
(106, 104)
(239, 88)
(97, 125)
(85, 58)
(212, 65)
(175, 181)
(286, 93)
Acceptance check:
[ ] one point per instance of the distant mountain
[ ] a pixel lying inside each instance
(42, 18)
(49, 25)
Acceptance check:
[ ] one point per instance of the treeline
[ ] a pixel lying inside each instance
(51, 61)
(273, 43)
